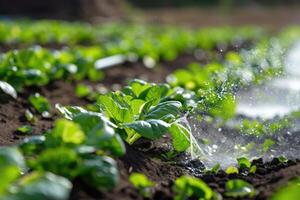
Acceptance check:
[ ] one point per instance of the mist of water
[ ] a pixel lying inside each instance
(276, 98)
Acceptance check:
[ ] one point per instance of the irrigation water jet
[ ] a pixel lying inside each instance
(275, 99)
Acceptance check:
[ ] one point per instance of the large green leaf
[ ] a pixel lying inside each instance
(41, 186)
(100, 172)
(289, 191)
(164, 109)
(151, 129)
(62, 161)
(180, 137)
(99, 133)
(12, 165)
(65, 132)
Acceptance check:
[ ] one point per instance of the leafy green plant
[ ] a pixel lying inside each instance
(232, 170)
(239, 188)
(187, 187)
(30, 117)
(252, 169)
(142, 183)
(25, 129)
(282, 159)
(40, 186)
(289, 191)
(41, 104)
(144, 110)
(82, 90)
(12, 166)
(214, 170)
(244, 163)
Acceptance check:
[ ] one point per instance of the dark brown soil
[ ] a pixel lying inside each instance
(143, 156)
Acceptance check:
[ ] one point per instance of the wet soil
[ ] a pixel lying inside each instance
(144, 156)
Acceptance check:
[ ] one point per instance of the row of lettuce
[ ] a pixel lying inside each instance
(83, 145)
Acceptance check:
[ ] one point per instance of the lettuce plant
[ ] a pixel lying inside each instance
(145, 110)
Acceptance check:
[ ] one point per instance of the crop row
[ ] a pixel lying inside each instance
(84, 144)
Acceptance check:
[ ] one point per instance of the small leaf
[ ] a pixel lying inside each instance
(25, 129)
(41, 104)
(253, 169)
(140, 180)
(215, 169)
(244, 163)
(239, 188)
(142, 183)
(232, 170)
(282, 159)
(186, 187)
(82, 90)
(30, 117)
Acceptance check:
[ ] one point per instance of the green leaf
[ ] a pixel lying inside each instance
(99, 133)
(232, 170)
(136, 106)
(139, 180)
(25, 129)
(41, 104)
(215, 169)
(244, 163)
(115, 111)
(155, 93)
(142, 183)
(164, 109)
(65, 132)
(180, 137)
(186, 187)
(239, 188)
(33, 145)
(288, 191)
(100, 172)
(12, 166)
(30, 117)
(253, 169)
(12, 156)
(82, 90)
(62, 161)
(41, 186)
(69, 111)
(282, 159)
(8, 89)
(138, 86)
(151, 129)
